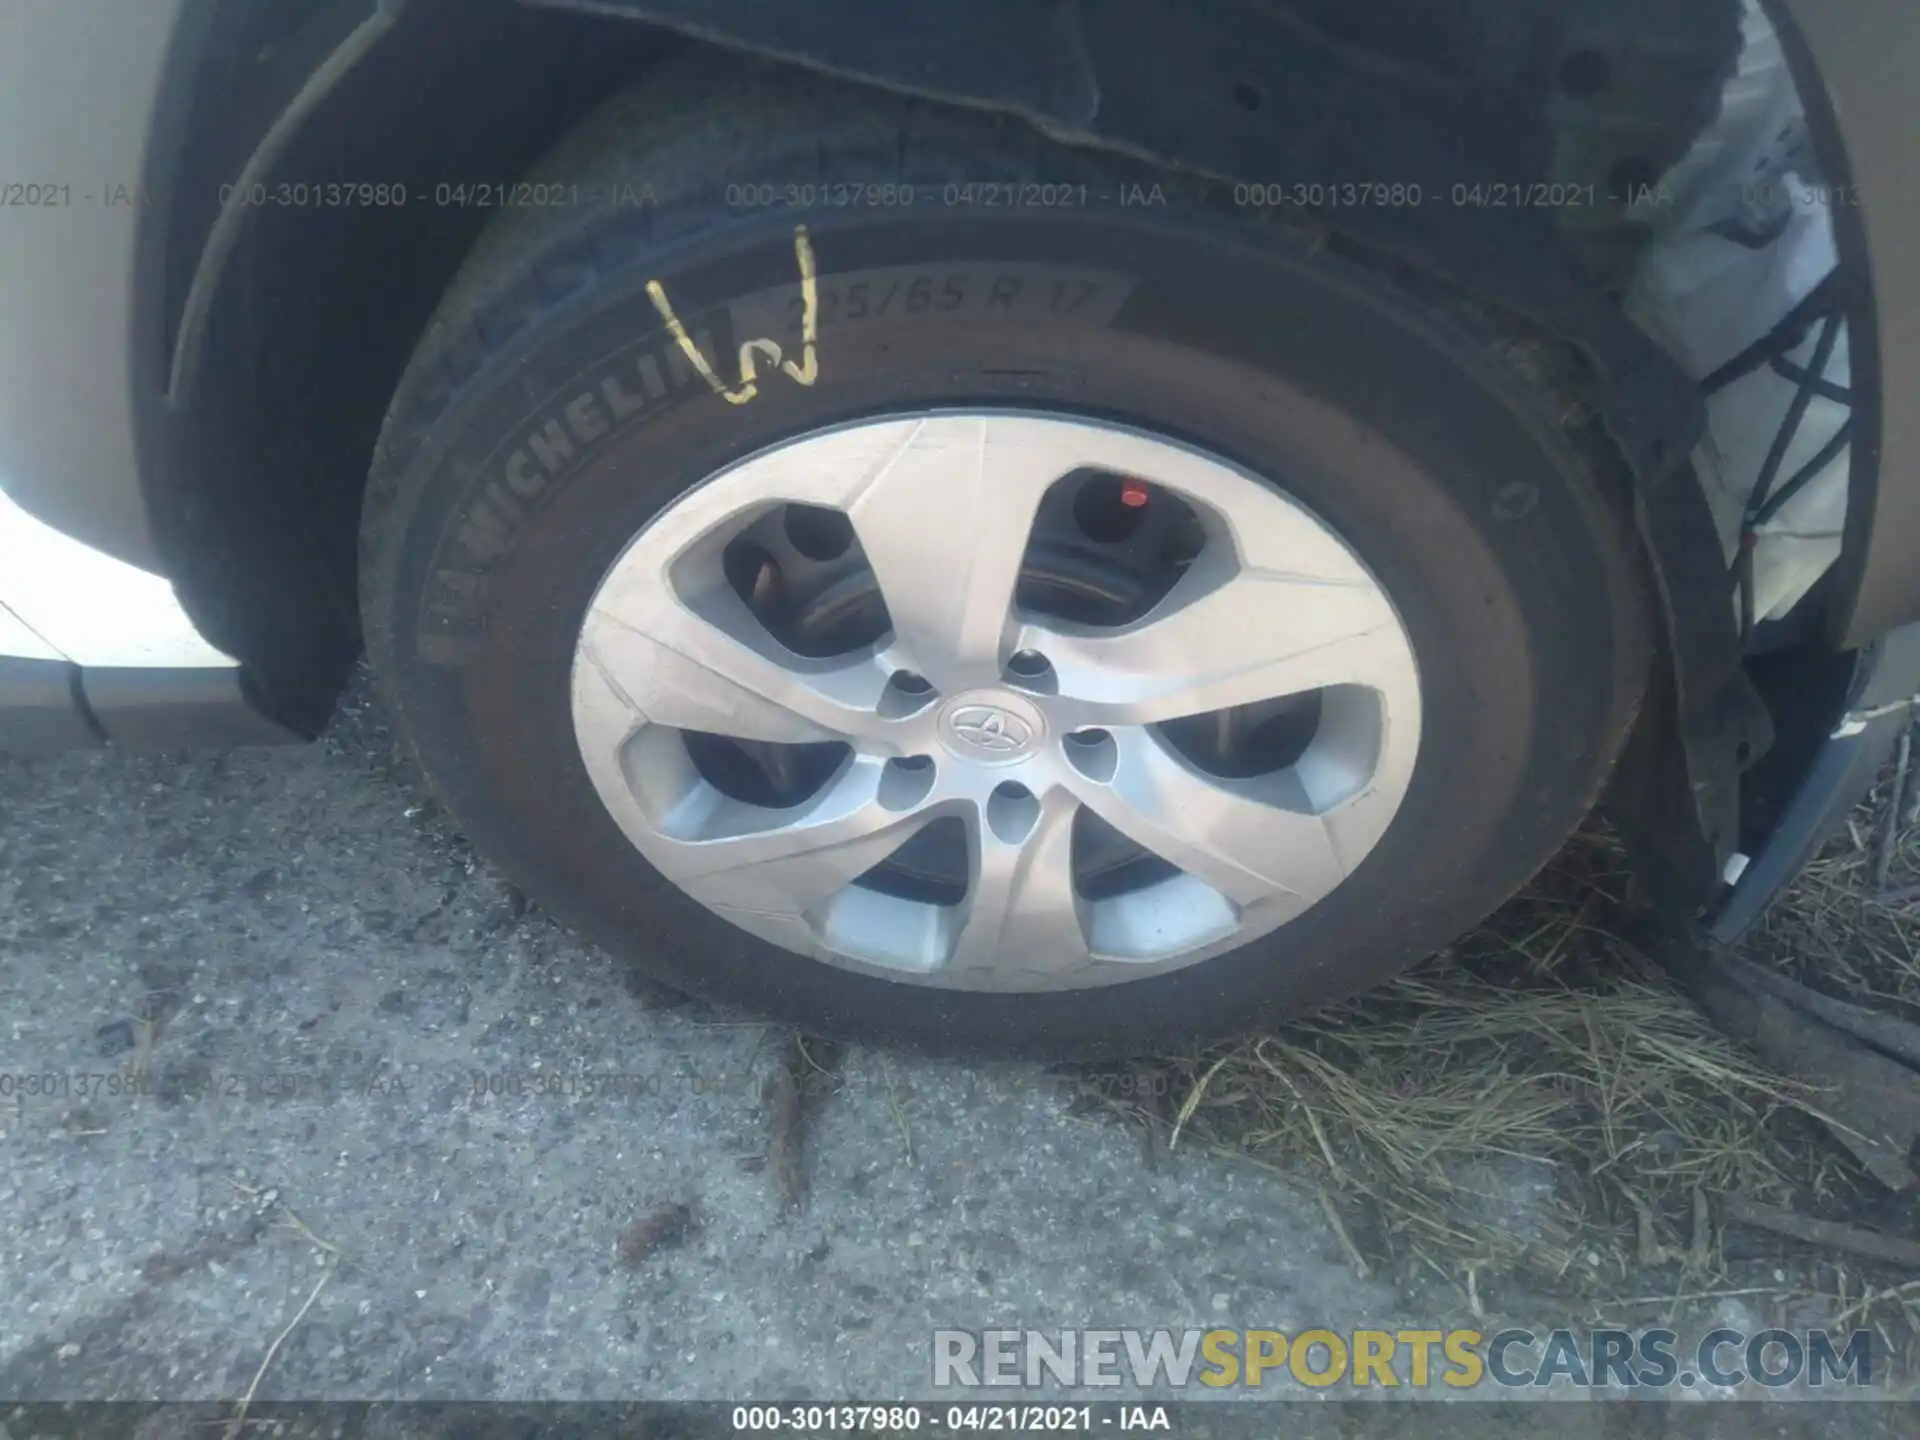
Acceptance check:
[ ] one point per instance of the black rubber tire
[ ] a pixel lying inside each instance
(1440, 445)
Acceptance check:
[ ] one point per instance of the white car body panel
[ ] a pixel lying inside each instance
(67, 272)
(18, 639)
(60, 599)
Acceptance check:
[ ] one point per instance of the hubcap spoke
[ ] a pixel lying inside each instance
(681, 668)
(1022, 918)
(783, 862)
(1223, 638)
(944, 522)
(1248, 846)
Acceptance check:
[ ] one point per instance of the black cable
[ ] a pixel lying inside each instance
(1743, 577)
(1762, 504)
(1802, 477)
(1796, 412)
(1824, 302)
(1825, 389)
(1780, 340)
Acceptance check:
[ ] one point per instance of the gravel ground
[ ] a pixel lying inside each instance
(334, 977)
(368, 1064)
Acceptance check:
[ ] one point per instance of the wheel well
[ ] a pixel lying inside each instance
(254, 476)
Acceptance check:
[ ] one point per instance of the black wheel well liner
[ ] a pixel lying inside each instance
(292, 268)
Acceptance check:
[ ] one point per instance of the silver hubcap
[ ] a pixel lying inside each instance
(1117, 793)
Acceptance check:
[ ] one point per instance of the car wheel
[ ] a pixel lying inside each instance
(1101, 621)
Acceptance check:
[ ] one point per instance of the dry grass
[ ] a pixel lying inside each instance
(1846, 928)
(1542, 1102)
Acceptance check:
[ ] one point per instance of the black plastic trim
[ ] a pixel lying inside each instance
(183, 709)
(1157, 79)
(52, 705)
(41, 710)
(225, 237)
(1842, 772)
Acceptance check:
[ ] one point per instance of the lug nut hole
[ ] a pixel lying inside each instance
(818, 533)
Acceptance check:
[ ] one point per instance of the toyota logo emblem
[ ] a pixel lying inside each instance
(986, 727)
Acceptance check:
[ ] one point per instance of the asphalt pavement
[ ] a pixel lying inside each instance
(364, 1059)
(391, 1134)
